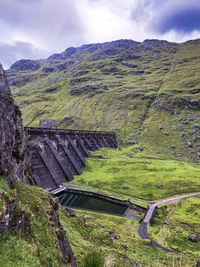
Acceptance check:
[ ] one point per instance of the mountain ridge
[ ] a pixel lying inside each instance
(71, 50)
(137, 89)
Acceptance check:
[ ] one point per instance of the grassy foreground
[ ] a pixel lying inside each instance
(91, 231)
(112, 237)
(38, 245)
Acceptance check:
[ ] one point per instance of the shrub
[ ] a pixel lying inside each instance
(93, 259)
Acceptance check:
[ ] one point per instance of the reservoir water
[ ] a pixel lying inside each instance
(91, 203)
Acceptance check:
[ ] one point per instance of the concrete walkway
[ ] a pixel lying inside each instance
(153, 206)
(143, 232)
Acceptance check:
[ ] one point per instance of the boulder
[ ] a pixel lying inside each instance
(112, 235)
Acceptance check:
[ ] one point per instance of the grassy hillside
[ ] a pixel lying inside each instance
(147, 92)
(31, 240)
(112, 237)
(139, 174)
(89, 230)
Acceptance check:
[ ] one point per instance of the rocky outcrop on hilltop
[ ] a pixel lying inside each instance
(12, 139)
(24, 65)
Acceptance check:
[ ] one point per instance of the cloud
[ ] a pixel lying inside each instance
(166, 16)
(10, 53)
(42, 22)
(181, 19)
(48, 26)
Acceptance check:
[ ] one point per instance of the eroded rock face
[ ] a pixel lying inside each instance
(11, 219)
(12, 139)
(64, 245)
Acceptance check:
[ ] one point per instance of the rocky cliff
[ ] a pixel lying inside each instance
(12, 139)
(19, 210)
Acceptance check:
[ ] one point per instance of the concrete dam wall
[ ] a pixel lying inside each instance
(58, 154)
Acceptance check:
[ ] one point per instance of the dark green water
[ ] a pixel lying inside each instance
(74, 200)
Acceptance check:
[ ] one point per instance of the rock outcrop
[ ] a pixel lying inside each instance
(24, 65)
(64, 244)
(11, 218)
(12, 139)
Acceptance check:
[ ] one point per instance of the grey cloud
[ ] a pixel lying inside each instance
(51, 24)
(44, 19)
(9, 53)
(29, 1)
(142, 10)
(54, 25)
(182, 19)
(164, 16)
(48, 14)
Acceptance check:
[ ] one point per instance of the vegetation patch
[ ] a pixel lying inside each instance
(136, 172)
(177, 226)
(38, 246)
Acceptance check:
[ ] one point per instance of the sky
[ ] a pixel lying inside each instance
(37, 28)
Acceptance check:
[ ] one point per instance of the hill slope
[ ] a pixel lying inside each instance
(148, 92)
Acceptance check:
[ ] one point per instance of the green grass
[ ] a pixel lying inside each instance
(139, 174)
(89, 231)
(173, 225)
(39, 247)
(93, 260)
